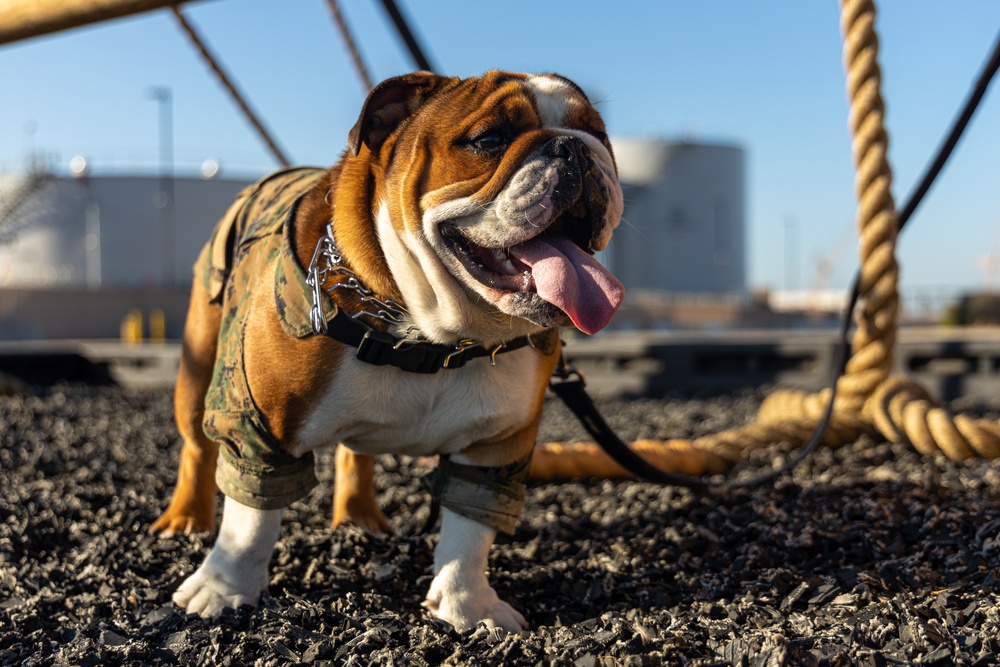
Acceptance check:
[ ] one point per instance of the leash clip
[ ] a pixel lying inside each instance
(566, 372)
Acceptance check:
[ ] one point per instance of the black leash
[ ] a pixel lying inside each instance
(568, 383)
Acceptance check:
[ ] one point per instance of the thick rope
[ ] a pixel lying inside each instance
(868, 399)
(874, 341)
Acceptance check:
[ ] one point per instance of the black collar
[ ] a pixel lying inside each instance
(375, 347)
(381, 348)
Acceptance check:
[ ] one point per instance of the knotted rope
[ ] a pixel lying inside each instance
(869, 400)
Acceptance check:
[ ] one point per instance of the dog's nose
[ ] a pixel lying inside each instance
(577, 160)
(564, 146)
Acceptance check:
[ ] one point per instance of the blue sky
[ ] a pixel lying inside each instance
(766, 74)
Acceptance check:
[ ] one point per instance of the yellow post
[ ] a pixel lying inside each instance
(157, 326)
(131, 329)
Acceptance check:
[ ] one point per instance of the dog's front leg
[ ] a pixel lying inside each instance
(235, 571)
(460, 592)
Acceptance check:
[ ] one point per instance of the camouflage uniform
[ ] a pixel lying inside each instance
(252, 242)
(249, 242)
(491, 495)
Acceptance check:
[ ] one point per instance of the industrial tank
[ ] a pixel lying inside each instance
(106, 231)
(683, 229)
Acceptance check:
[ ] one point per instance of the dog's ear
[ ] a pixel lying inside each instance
(388, 104)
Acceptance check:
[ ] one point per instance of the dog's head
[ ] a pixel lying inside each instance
(491, 195)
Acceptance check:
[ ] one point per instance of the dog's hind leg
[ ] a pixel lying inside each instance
(192, 508)
(354, 499)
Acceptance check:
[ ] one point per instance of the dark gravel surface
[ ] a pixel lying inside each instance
(869, 554)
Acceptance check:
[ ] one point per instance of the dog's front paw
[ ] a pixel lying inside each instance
(466, 609)
(211, 589)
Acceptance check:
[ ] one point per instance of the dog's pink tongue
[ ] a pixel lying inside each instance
(572, 280)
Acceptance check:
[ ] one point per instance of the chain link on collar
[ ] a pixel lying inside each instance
(328, 261)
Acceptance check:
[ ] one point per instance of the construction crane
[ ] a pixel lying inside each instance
(826, 265)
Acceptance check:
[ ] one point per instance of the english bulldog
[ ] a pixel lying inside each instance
(406, 301)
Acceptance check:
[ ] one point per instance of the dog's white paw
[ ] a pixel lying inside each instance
(235, 571)
(465, 609)
(212, 588)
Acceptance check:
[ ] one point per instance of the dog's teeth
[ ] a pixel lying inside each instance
(503, 260)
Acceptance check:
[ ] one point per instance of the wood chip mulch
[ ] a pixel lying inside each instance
(869, 554)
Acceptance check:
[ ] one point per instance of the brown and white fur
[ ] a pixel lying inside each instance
(431, 160)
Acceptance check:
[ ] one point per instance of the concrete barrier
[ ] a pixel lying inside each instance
(948, 362)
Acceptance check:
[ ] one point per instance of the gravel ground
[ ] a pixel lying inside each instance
(869, 554)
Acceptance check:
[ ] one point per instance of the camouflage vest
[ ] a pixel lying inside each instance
(249, 242)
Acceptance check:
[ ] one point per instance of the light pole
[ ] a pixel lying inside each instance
(164, 199)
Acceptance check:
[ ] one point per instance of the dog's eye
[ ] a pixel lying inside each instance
(489, 142)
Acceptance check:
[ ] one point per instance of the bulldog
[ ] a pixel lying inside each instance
(407, 301)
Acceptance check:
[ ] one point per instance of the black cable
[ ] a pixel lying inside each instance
(958, 127)
(840, 365)
(913, 201)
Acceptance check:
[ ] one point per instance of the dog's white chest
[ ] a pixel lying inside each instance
(383, 410)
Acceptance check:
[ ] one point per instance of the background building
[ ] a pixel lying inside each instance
(106, 231)
(80, 253)
(683, 229)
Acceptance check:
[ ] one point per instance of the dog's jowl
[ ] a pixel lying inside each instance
(406, 300)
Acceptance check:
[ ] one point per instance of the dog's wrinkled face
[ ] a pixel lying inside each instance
(499, 191)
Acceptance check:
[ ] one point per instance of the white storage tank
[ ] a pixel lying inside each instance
(106, 231)
(683, 229)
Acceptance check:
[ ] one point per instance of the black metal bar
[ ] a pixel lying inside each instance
(230, 86)
(407, 35)
(352, 47)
